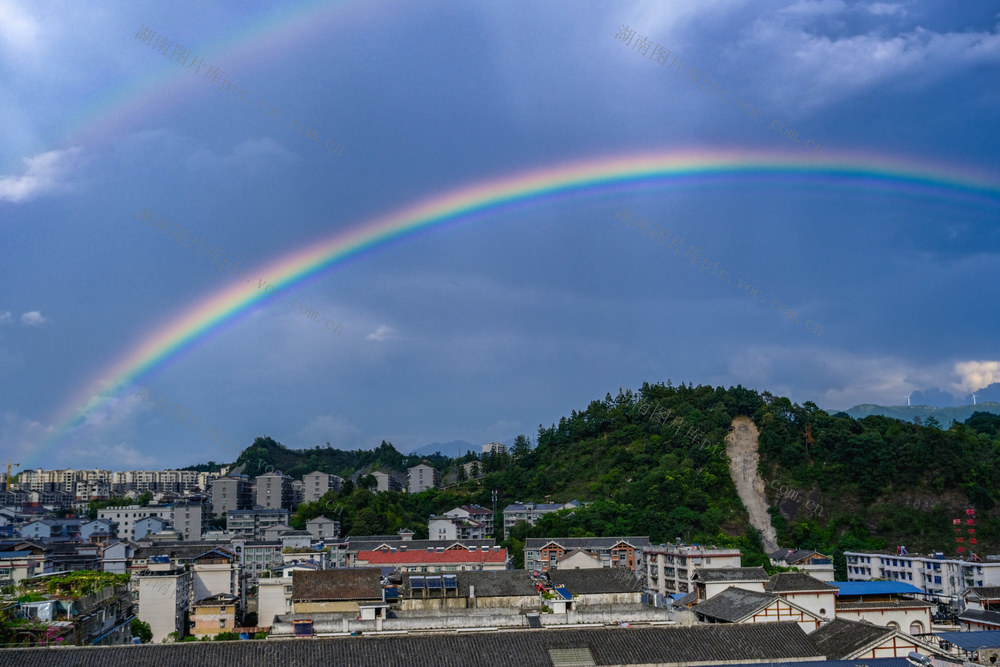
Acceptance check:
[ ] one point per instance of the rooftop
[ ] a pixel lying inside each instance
(795, 582)
(339, 584)
(596, 581)
(876, 588)
(840, 638)
(972, 641)
(734, 604)
(431, 557)
(569, 543)
(724, 574)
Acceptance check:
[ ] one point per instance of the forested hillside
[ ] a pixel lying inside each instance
(653, 463)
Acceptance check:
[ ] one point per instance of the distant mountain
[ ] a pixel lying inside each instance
(453, 449)
(908, 412)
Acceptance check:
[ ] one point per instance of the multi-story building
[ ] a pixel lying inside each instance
(670, 567)
(274, 491)
(454, 559)
(253, 523)
(530, 512)
(231, 493)
(944, 578)
(164, 596)
(387, 481)
(317, 484)
(543, 553)
(256, 556)
(322, 528)
(423, 477)
(187, 518)
(127, 516)
(455, 528)
(491, 448)
(213, 615)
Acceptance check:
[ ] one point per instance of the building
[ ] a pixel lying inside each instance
(257, 557)
(80, 609)
(231, 493)
(449, 528)
(603, 586)
(709, 581)
(944, 578)
(253, 523)
(149, 525)
(819, 597)
(423, 477)
(353, 545)
(16, 566)
(317, 484)
(164, 596)
(387, 481)
(274, 491)
(455, 559)
(886, 603)
(671, 567)
(212, 615)
(187, 518)
(811, 562)
(543, 554)
(335, 590)
(530, 512)
(215, 572)
(982, 609)
(322, 528)
(851, 640)
(491, 448)
(462, 591)
(127, 516)
(739, 605)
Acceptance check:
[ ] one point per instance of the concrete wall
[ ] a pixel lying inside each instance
(430, 604)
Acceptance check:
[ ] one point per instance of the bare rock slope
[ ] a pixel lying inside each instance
(741, 447)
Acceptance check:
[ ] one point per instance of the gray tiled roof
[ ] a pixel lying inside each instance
(354, 544)
(793, 582)
(340, 584)
(733, 604)
(791, 555)
(840, 638)
(985, 592)
(594, 581)
(585, 542)
(980, 616)
(503, 583)
(530, 648)
(724, 574)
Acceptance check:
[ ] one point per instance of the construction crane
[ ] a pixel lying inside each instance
(6, 486)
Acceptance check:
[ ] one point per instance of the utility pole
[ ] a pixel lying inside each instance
(493, 495)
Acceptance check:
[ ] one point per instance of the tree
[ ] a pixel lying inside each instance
(462, 475)
(474, 469)
(141, 630)
(521, 448)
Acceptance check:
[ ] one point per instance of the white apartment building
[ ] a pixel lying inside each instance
(316, 484)
(946, 578)
(98, 483)
(127, 516)
(670, 567)
(164, 595)
(423, 477)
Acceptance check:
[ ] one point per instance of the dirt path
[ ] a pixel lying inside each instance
(741, 447)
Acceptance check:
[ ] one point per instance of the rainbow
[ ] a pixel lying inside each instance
(588, 178)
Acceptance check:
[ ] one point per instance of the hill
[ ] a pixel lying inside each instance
(653, 462)
(944, 416)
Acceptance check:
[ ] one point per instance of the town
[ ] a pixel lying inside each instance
(212, 555)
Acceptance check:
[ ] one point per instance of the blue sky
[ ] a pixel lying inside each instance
(482, 330)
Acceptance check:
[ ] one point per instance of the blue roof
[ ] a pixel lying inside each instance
(874, 587)
(564, 593)
(14, 554)
(972, 641)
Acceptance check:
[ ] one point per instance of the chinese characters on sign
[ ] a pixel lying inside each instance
(662, 55)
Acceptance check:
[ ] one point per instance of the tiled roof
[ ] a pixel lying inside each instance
(527, 648)
(339, 584)
(972, 640)
(596, 581)
(431, 557)
(985, 592)
(980, 616)
(734, 604)
(794, 582)
(724, 574)
(372, 543)
(502, 583)
(839, 639)
(886, 604)
(791, 555)
(585, 542)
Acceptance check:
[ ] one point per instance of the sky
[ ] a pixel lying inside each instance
(128, 172)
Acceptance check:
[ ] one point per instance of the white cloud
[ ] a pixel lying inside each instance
(124, 456)
(337, 430)
(33, 318)
(883, 9)
(18, 30)
(380, 334)
(44, 173)
(5, 317)
(975, 375)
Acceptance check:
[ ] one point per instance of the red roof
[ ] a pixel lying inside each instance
(459, 556)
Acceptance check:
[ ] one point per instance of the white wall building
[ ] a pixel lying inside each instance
(670, 567)
(945, 578)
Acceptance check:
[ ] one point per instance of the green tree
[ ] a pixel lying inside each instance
(141, 630)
